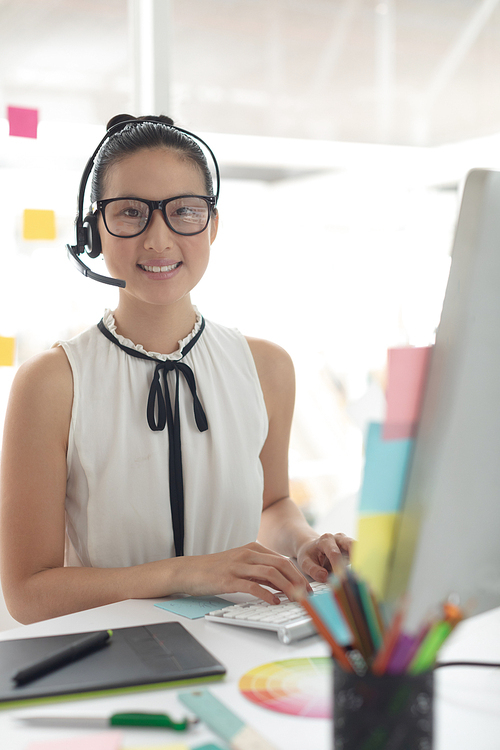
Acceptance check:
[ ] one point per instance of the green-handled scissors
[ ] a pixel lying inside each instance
(139, 719)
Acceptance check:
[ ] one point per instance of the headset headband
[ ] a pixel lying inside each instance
(82, 232)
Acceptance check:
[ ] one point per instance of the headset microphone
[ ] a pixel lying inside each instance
(87, 233)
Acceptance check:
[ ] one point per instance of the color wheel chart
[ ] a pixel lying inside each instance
(301, 687)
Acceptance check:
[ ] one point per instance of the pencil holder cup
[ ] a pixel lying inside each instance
(386, 712)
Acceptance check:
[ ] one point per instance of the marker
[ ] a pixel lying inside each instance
(426, 654)
(141, 719)
(76, 650)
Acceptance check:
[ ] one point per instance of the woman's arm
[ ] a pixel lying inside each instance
(283, 526)
(35, 583)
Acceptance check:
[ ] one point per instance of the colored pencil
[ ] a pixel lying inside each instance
(340, 598)
(338, 652)
(383, 656)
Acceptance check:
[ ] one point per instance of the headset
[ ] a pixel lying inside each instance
(87, 233)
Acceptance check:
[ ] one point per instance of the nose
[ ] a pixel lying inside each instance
(158, 234)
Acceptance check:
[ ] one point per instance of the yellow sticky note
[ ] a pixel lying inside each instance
(7, 345)
(373, 549)
(38, 224)
(159, 747)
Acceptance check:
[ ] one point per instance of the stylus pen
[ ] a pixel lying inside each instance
(76, 650)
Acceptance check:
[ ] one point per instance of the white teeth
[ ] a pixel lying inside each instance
(160, 269)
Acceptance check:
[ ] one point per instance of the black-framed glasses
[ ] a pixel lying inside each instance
(129, 217)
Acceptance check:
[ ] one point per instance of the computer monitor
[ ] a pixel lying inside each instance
(448, 538)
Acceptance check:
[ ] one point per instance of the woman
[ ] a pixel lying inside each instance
(145, 456)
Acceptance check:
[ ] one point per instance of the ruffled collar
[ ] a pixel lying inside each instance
(110, 323)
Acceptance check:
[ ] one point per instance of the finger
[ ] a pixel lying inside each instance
(280, 563)
(344, 543)
(324, 556)
(316, 572)
(280, 581)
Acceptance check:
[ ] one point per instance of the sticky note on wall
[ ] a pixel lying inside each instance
(23, 122)
(372, 553)
(384, 481)
(7, 347)
(386, 466)
(39, 224)
(406, 378)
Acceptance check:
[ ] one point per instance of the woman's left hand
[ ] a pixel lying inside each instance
(319, 557)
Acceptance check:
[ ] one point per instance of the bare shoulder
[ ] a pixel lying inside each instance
(270, 359)
(43, 388)
(50, 370)
(275, 369)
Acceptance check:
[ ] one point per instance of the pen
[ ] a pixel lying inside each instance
(76, 650)
(139, 719)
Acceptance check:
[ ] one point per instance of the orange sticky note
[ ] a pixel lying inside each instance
(22, 122)
(39, 225)
(6, 351)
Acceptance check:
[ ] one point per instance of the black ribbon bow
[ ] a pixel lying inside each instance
(159, 413)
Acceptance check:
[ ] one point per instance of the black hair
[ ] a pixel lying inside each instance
(141, 134)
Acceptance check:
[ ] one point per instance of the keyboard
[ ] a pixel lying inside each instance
(288, 619)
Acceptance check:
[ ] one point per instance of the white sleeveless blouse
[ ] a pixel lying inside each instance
(117, 502)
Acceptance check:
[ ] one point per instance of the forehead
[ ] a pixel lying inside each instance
(153, 174)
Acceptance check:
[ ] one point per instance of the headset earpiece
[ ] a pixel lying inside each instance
(92, 236)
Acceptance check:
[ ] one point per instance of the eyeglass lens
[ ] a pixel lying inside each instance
(126, 217)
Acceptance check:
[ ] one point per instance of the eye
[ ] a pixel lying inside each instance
(134, 210)
(132, 213)
(188, 211)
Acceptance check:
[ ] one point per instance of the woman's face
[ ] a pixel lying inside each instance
(155, 175)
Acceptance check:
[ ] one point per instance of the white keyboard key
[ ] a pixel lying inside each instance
(288, 619)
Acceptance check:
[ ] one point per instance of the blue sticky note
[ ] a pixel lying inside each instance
(329, 612)
(194, 607)
(386, 467)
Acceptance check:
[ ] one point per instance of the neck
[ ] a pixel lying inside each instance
(157, 328)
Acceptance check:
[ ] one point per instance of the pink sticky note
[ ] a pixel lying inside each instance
(22, 122)
(406, 378)
(111, 740)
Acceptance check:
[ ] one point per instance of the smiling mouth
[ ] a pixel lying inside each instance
(160, 269)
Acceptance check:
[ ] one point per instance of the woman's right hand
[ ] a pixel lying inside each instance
(248, 569)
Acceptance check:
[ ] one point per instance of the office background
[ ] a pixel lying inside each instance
(344, 130)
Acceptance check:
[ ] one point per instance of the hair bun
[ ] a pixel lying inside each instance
(117, 119)
(158, 118)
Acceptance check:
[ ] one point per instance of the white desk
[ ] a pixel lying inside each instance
(467, 706)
